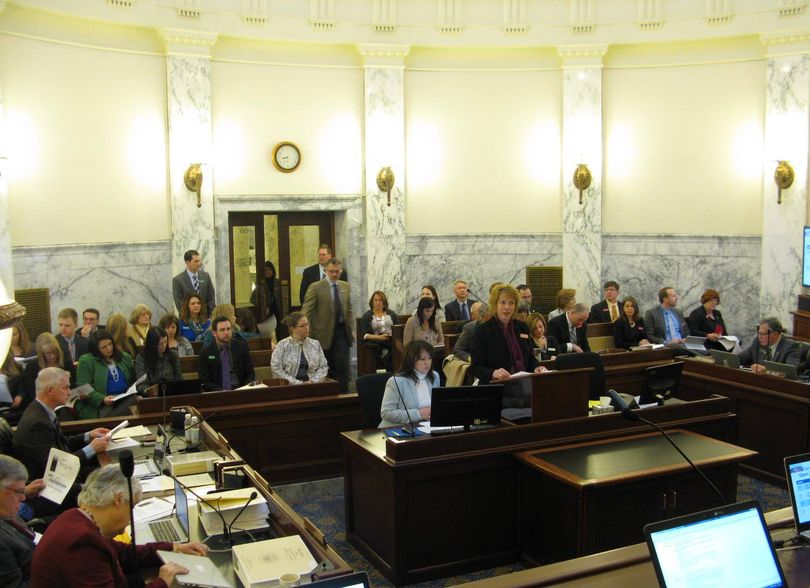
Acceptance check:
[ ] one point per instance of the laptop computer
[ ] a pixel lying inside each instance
(784, 370)
(148, 466)
(180, 387)
(171, 529)
(725, 358)
(797, 472)
(201, 570)
(355, 580)
(727, 546)
(696, 345)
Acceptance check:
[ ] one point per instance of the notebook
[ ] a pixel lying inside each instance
(784, 370)
(172, 529)
(797, 472)
(727, 546)
(725, 359)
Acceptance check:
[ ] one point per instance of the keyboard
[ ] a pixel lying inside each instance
(164, 531)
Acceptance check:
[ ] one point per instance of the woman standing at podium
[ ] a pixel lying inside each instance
(407, 394)
(503, 346)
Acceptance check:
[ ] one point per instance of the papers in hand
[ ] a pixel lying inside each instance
(136, 431)
(131, 390)
(78, 393)
(252, 385)
(60, 473)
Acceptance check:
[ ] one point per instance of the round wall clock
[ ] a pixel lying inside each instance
(286, 157)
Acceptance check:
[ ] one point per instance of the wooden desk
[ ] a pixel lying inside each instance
(287, 433)
(773, 413)
(438, 506)
(604, 492)
(630, 567)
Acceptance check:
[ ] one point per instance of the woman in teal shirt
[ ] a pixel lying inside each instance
(110, 372)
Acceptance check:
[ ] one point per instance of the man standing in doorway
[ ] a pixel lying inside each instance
(329, 310)
(193, 280)
(317, 272)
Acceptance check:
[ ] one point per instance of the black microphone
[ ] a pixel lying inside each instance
(225, 529)
(127, 464)
(250, 499)
(634, 416)
(407, 414)
(471, 293)
(183, 432)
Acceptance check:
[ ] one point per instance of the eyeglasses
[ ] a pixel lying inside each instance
(302, 326)
(20, 492)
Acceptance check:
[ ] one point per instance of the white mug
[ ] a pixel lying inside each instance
(287, 580)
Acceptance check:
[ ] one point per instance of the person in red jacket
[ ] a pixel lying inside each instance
(78, 551)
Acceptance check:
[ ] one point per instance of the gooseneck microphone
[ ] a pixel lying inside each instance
(250, 499)
(225, 529)
(407, 414)
(631, 415)
(127, 464)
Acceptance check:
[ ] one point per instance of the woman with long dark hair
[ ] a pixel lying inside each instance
(424, 326)
(194, 319)
(407, 394)
(110, 372)
(271, 315)
(158, 362)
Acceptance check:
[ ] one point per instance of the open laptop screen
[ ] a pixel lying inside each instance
(728, 546)
(181, 507)
(797, 470)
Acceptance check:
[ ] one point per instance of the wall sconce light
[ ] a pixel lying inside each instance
(783, 175)
(193, 179)
(582, 179)
(385, 181)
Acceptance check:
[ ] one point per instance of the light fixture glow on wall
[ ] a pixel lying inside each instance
(11, 312)
(783, 175)
(582, 179)
(385, 181)
(193, 179)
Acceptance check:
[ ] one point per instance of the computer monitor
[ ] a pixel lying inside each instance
(466, 406)
(180, 387)
(661, 382)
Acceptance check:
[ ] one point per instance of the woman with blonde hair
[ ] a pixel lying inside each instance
(566, 299)
(139, 322)
(117, 326)
(49, 354)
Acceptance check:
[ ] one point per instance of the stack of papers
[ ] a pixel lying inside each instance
(230, 503)
(263, 562)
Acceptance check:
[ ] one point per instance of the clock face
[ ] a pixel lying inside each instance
(286, 157)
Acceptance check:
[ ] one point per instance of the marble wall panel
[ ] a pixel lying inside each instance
(112, 277)
(6, 264)
(479, 259)
(642, 264)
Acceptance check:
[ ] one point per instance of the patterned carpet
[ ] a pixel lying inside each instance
(322, 503)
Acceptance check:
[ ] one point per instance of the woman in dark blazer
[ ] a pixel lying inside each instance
(628, 330)
(545, 346)
(502, 345)
(706, 320)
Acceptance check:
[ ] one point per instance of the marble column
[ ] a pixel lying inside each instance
(582, 144)
(188, 75)
(787, 116)
(6, 265)
(385, 147)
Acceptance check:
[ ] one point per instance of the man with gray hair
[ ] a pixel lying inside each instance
(770, 345)
(38, 431)
(16, 539)
(571, 329)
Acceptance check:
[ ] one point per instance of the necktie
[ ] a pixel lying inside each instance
(465, 312)
(336, 301)
(72, 348)
(61, 440)
(195, 282)
(573, 334)
(614, 313)
(226, 368)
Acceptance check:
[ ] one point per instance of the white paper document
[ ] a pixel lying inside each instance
(136, 431)
(131, 390)
(60, 473)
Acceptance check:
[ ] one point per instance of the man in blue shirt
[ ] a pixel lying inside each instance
(665, 324)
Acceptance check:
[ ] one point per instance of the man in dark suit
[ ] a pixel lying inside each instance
(770, 346)
(464, 342)
(665, 324)
(72, 343)
(459, 309)
(607, 311)
(192, 280)
(38, 432)
(571, 329)
(228, 351)
(317, 272)
(90, 322)
(328, 307)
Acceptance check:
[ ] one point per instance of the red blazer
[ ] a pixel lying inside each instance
(74, 554)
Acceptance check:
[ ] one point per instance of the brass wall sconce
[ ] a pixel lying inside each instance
(783, 175)
(193, 179)
(385, 181)
(582, 179)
